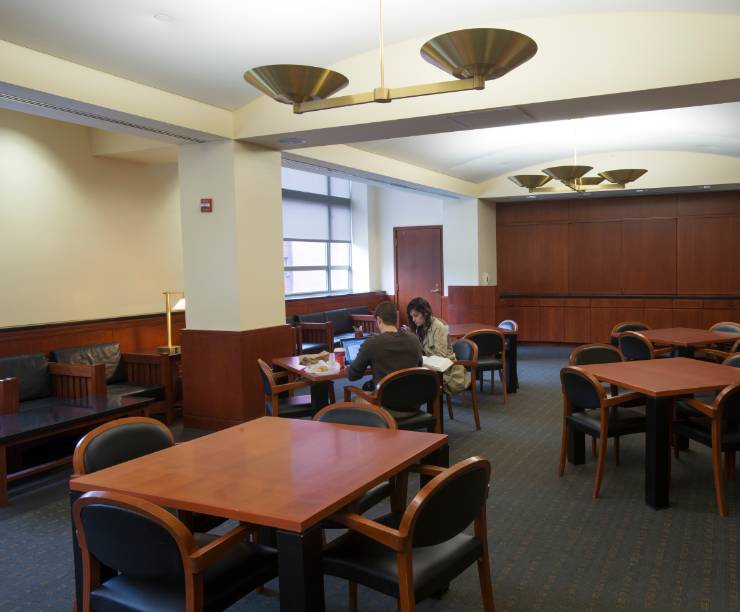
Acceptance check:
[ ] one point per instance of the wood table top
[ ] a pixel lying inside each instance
(458, 330)
(283, 473)
(686, 336)
(666, 377)
(292, 365)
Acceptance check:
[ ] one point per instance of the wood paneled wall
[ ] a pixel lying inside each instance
(568, 270)
(670, 245)
(469, 304)
(133, 333)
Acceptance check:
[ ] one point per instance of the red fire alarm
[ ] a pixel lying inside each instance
(206, 205)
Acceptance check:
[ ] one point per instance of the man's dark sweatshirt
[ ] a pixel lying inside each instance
(386, 353)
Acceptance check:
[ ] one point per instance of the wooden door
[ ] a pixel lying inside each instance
(417, 257)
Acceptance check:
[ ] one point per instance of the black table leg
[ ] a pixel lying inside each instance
(576, 447)
(685, 351)
(657, 452)
(319, 395)
(299, 566)
(76, 555)
(512, 378)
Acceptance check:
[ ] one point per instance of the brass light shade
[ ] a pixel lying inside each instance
(623, 176)
(589, 180)
(530, 181)
(484, 52)
(293, 84)
(567, 173)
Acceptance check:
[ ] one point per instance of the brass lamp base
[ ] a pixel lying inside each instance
(169, 350)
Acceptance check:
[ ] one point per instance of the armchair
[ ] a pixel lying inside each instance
(491, 345)
(635, 347)
(159, 564)
(402, 393)
(466, 355)
(279, 398)
(414, 555)
(626, 326)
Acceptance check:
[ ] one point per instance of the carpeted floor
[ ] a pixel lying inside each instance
(553, 547)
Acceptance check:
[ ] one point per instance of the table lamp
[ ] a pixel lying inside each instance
(179, 305)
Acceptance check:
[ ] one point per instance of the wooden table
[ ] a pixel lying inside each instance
(458, 330)
(660, 380)
(287, 474)
(319, 382)
(686, 339)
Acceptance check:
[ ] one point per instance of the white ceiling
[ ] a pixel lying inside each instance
(201, 49)
(478, 155)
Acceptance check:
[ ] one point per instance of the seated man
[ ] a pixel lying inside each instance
(388, 351)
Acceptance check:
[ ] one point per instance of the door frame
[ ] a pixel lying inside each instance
(441, 258)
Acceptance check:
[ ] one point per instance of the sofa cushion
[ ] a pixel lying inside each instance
(32, 372)
(342, 320)
(124, 389)
(108, 353)
(312, 317)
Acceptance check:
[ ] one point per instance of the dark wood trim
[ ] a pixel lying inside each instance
(296, 306)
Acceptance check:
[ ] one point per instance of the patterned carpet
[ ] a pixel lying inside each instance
(552, 546)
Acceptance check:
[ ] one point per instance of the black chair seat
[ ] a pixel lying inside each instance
(295, 407)
(360, 559)
(626, 421)
(374, 496)
(124, 389)
(699, 429)
(243, 568)
(489, 363)
(414, 420)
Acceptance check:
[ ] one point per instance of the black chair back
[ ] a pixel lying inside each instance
(265, 376)
(629, 326)
(123, 442)
(365, 415)
(508, 324)
(595, 353)
(726, 326)
(464, 350)
(130, 543)
(581, 390)
(635, 346)
(490, 343)
(406, 390)
(452, 504)
(733, 361)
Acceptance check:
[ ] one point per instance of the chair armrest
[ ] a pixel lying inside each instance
(280, 374)
(427, 470)
(617, 400)
(464, 362)
(386, 536)
(350, 389)
(64, 374)
(716, 353)
(201, 558)
(700, 406)
(9, 396)
(663, 351)
(145, 369)
(298, 384)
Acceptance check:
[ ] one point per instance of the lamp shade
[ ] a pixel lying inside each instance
(179, 305)
(567, 173)
(590, 180)
(626, 175)
(293, 83)
(530, 181)
(486, 52)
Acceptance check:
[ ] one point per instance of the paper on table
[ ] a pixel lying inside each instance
(434, 362)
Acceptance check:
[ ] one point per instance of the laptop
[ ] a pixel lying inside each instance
(351, 347)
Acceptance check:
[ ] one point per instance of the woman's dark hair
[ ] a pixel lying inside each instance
(419, 304)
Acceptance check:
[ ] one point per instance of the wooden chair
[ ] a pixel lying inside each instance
(159, 564)
(588, 410)
(289, 405)
(129, 438)
(491, 345)
(719, 428)
(718, 355)
(635, 347)
(426, 546)
(402, 393)
(365, 415)
(466, 355)
(626, 326)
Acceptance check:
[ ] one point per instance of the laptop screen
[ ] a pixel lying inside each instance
(351, 348)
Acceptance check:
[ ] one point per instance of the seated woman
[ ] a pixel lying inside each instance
(432, 333)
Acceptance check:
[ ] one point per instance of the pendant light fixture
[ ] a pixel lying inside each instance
(472, 56)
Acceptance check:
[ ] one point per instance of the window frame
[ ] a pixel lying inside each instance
(331, 202)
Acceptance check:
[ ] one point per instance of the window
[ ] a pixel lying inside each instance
(317, 233)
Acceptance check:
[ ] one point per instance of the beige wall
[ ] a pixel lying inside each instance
(81, 237)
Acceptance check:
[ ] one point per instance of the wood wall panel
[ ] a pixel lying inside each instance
(516, 258)
(551, 248)
(471, 304)
(703, 263)
(603, 209)
(137, 333)
(576, 324)
(708, 204)
(552, 324)
(648, 263)
(657, 317)
(594, 254)
(221, 382)
(330, 302)
(647, 207)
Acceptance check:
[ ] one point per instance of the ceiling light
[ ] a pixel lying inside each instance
(472, 56)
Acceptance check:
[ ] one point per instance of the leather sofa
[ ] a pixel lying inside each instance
(322, 331)
(127, 374)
